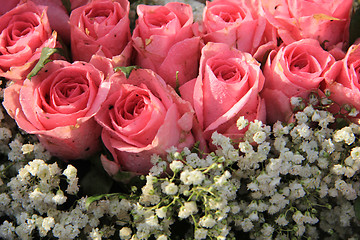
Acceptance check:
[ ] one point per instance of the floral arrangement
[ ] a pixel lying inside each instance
(227, 119)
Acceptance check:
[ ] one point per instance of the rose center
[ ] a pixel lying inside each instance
(226, 72)
(159, 18)
(133, 106)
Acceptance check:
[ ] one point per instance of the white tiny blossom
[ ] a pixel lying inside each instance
(161, 212)
(171, 189)
(247, 225)
(162, 237)
(295, 101)
(125, 233)
(259, 137)
(5, 133)
(59, 198)
(95, 234)
(241, 123)
(207, 221)
(70, 172)
(176, 166)
(48, 223)
(200, 233)
(188, 209)
(301, 117)
(345, 134)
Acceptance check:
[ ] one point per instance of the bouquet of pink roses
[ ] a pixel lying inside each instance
(79, 77)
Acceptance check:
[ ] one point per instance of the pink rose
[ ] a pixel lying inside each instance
(142, 116)
(342, 79)
(6, 6)
(293, 71)
(324, 20)
(238, 24)
(227, 87)
(164, 41)
(25, 30)
(103, 27)
(58, 105)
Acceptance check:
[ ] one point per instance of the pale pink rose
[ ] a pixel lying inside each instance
(142, 116)
(164, 41)
(25, 30)
(227, 87)
(343, 79)
(238, 24)
(58, 105)
(294, 70)
(324, 20)
(102, 27)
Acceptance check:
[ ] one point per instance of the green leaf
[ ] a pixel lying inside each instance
(46, 53)
(67, 5)
(357, 208)
(126, 70)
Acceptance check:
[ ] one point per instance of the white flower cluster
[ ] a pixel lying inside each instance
(287, 181)
(198, 190)
(301, 178)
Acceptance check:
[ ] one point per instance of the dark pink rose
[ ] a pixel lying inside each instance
(238, 24)
(325, 20)
(342, 79)
(6, 6)
(58, 17)
(58, 105)
(103, 27)
(227, 87)
(25, 30)
(294, 70)
(142, 116)
(164, 41)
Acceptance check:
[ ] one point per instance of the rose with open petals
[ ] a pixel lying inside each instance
(102, 27)
(142, 116)
(238, 24)
(25, 30)
(294, 70)
(324, 20)
(227, 87)
(164, 41)
(343, 79)
(58, 105)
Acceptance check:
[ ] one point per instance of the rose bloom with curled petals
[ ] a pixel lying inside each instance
(293, 71)
(227, 87)
(324, 20)
(102, 27)
(165, 42)
(238, 24)
(142, 116)
(343, 80)
(25, 31)
(58, 105)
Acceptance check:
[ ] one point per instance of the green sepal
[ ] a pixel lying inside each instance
(126, 70)
(46, 53)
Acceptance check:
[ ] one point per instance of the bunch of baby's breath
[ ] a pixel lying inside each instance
(285, 181)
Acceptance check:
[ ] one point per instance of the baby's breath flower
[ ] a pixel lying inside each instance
(171, 189)
(188, 209)
(200, 233)
(125, 233)
(176, 166)
(241, 123)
